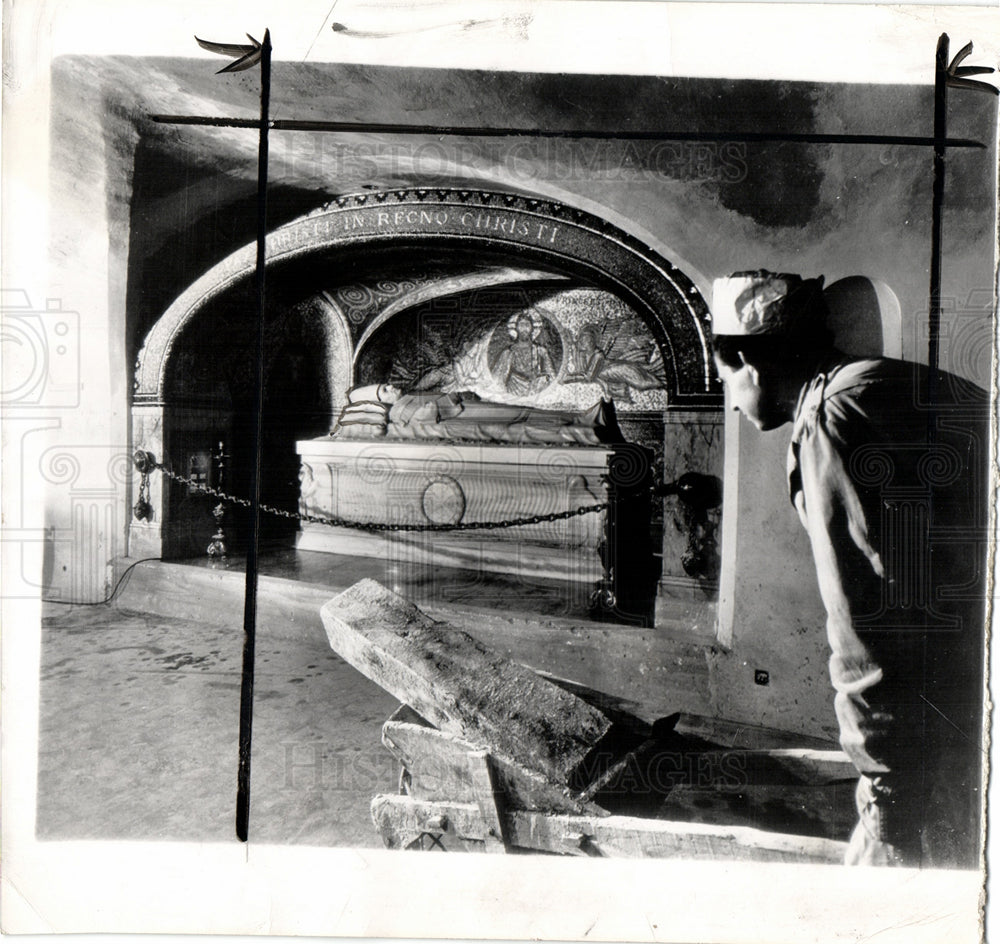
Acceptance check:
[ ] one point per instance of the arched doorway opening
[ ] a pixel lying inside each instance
(392, 287)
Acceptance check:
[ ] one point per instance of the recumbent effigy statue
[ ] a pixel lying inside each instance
(381, 410)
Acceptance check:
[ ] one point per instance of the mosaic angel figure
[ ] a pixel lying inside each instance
(620, 365)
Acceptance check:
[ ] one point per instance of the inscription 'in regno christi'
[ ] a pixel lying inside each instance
(478, 221)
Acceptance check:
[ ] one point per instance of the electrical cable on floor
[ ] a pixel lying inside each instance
(113, 593)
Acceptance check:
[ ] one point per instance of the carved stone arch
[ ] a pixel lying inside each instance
(336, 335)
(537, 230)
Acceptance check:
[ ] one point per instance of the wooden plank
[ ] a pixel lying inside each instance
(808, 760)
(631, 837)
(437, 764)
(826, 811)
(615, 836)
(435, 761)
(665, 778)
(489, 799)
(400, 821)
(810, 766)
(465, 688)
(661, 758)
(737, 734)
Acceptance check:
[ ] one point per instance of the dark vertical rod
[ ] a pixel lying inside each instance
(250, 598)
(937, 202)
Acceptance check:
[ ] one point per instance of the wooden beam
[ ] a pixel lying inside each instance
(401, 820)
(489, 799)
(631, 837)
(740, 735)
(467, 689)
(398, 818)
(809, 766)
(437, 764)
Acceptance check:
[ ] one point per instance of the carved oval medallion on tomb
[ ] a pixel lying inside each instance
(443, 501)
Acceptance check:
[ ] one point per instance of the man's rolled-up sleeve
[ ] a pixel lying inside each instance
(842, 520)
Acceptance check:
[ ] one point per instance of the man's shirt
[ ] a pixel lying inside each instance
(889, 478)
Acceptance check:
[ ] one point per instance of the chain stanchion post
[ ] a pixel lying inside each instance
(144, 463)
(624, 591)
(217, 550)
(603, 598)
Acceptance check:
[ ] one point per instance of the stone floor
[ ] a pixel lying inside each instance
(140, 701)
(138, 734)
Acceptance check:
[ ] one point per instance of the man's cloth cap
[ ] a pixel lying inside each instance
(762, 302)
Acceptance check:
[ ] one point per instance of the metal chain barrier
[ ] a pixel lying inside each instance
(375, 526)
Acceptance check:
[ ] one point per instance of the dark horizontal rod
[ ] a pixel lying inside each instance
(344, 127)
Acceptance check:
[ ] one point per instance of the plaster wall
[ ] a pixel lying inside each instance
(82, 457)
(838, 210)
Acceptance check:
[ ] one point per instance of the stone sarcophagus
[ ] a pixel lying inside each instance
(419, 483)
